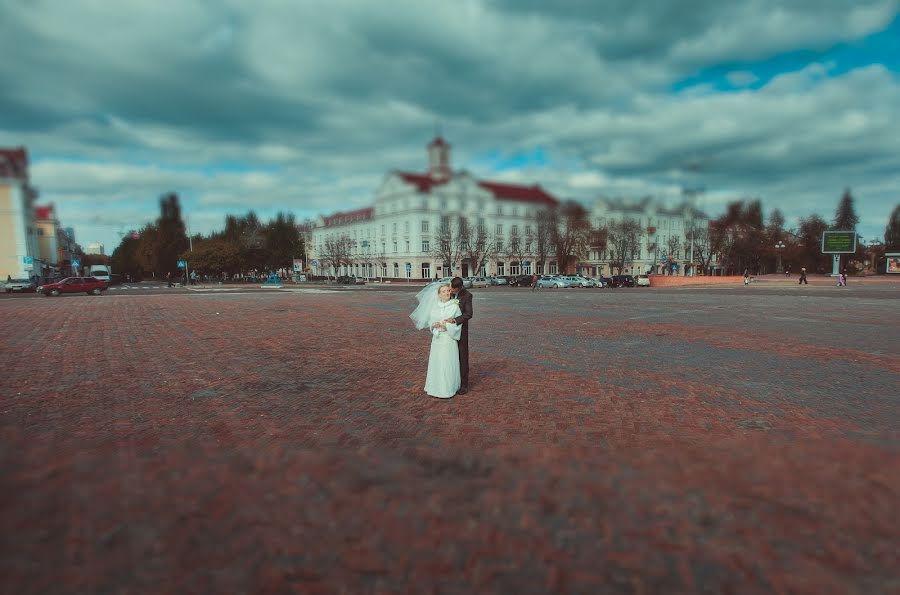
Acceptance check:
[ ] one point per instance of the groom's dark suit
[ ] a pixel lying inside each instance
(465, 306)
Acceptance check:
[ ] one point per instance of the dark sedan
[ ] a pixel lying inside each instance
(622, 281)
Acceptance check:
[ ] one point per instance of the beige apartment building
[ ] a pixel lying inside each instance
(19, 250)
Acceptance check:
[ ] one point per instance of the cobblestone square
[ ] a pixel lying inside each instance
(719, 440)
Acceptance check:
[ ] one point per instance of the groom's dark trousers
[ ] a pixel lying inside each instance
(465, 306)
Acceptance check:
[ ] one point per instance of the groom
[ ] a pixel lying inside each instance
(465, 306)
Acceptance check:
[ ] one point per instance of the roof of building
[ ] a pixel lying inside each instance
(438, 141)
(502, 191)
(349, 216)
(14, 163)
(532, 194)
(43, 213)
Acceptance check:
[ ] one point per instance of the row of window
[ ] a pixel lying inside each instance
(515, 268)
(444, 205)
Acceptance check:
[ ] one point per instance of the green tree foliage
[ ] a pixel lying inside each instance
(282, 242)
(740, 237)
(810, 249)
(892, 231)
(845, 218)
(124, 259)
(214, 255)
(172, 240)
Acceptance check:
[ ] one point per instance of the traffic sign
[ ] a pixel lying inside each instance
(181, 264)
(315, 263)
(76, 263)
(28, 259)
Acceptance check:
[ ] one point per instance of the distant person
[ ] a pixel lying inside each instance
(803, 280)
(746, 276)
(169, 279)
(534, 280)
(787, 272)
(844, 277)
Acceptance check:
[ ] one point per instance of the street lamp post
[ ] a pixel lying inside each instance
(779, 246)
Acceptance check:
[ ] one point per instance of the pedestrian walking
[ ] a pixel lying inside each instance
(169, 279)
(534, 280)
(844, 276)
(746, 276)
(803, 277)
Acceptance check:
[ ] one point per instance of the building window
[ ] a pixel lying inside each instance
(384, 269)
(498, 229)
(406, 227)
(514, 268)
(445, 223)
(528, 230)
(515, 230)
(526, 268)
(407, 246)
(426, 270)
(395, 227)
(382, 229)
(426, 246)
(40, 231)
(396, 269)
(501, 268)
(424, 227)
(553, 267)
(481, 226)
(499, 246)
(395, 247)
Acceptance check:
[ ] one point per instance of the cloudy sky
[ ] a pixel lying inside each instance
(304, 105)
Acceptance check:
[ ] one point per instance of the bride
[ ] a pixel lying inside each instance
(435, 307)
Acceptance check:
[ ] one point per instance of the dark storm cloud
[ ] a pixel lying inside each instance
(283, 103)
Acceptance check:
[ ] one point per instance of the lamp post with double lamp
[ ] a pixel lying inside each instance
(779, 247)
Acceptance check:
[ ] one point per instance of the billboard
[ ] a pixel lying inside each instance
(838, 242)
(893, 263)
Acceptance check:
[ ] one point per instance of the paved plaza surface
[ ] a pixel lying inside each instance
(713, 440)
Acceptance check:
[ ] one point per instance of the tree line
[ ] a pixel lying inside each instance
(245, 245)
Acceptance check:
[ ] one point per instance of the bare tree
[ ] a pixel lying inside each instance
(569, 234)
(380, 259)
(543, 247)
(623, 243)
(476, 244)
(518, 249)
(673, 245)
(338, 252)
(700, 238)
(447, 247)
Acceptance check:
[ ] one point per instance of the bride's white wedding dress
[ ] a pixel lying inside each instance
(443, 377)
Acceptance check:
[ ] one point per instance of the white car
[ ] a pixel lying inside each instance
(477, 281)
(642, 281)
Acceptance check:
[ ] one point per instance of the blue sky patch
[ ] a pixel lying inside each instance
(879, 48)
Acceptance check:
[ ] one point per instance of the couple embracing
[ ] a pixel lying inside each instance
(445, 310)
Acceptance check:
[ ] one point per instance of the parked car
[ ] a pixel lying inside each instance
(520, 281)
(607, 282)
(477, 281)
(622, 281)
(501, 280)
(19, 285)
(580, 281)
(600, 282)
(642, 280)
(88, 285)
(351, 280)
(552, 282)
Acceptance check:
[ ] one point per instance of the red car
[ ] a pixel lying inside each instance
(88, 285)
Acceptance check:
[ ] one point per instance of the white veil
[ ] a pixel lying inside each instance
(427, 299)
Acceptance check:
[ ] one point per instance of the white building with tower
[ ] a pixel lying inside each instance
(395, 237)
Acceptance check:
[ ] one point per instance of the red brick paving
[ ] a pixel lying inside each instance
(274, 443)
